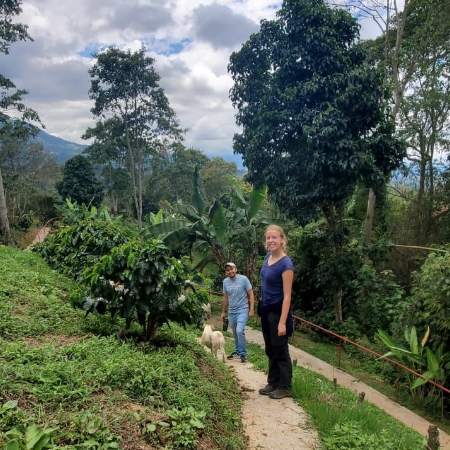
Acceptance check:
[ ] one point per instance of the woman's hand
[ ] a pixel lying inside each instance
(281, 329)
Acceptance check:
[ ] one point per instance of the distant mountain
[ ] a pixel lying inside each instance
(64, 150)
(61, 149)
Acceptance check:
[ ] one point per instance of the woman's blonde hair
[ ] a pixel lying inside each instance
(279, 230)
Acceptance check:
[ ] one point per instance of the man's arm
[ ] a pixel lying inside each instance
(251, 302)
(224, 306)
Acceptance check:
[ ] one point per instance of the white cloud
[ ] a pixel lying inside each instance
(191, 41)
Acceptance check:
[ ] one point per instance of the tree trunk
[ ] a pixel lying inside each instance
(338, 305)
(369, 222)
(132, 171)
(330, 216)
(4, 222)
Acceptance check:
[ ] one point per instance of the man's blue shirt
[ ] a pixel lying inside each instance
(236, 288)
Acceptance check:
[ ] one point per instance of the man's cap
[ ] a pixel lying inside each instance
(230, 264)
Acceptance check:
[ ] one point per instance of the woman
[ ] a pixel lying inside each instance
(277, 275)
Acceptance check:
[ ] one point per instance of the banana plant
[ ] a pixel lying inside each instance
(431, 365)
(414, 355)
(197, 228)
(438, 367)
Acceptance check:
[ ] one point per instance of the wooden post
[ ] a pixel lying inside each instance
(433, 438)
(361, 397)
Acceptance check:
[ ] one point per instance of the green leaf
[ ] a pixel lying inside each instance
(218, 219)
(197, 197)
(420, 381)
(413, 344)
(256, 199)
(433, 363)
(11, 404)
(188, 211)
(12, 445)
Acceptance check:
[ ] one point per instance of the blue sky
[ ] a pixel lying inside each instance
(190, 40)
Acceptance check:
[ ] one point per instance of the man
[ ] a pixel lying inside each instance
(238, 300)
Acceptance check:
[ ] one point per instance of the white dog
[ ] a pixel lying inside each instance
(207, 310)
(214, 340)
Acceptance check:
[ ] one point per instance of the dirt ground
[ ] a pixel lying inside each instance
(271, 424)
(282, 424)
(41, 235)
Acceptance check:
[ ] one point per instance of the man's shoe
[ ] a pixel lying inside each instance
(267, 389)
(234, 355)
(279, 393)
(244, 359)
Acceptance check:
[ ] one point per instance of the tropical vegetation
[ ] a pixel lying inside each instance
(346, 145)
(73, 380)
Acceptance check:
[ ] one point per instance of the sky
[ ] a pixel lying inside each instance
(190, 40)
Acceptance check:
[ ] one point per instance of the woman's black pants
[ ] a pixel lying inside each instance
(277, 350)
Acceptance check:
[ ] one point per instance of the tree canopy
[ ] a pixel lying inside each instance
(124, 86)
(79, 182)
(312, 111)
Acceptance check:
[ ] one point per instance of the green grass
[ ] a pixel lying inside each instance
(72, 382)
(378, 374)
(341, 422)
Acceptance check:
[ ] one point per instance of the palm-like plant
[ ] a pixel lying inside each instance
(218, 233)
(433, 366)
(196, 229)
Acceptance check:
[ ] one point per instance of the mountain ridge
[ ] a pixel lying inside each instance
(64, 150)
(60, 148)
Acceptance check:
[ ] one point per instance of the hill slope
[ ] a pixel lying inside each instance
(61, 149)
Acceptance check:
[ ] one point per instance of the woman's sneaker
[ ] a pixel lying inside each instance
(266, 390)
(234, 355)
(244, 359)
(279, 393)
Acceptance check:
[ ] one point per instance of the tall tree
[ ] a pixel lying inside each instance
(124, 86)
(11, 99)
(27, 170)
(216, 176)
(79, 183)
(313, 114)
(109, 150)
(172, 179)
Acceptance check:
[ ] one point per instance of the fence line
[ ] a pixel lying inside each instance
(361, 347)
(368, 350)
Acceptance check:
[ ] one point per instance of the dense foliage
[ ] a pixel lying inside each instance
(79, 183)
(99, 389)
(312, 111)
(122, 274)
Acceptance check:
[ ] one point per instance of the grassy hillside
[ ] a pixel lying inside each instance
(72, 382)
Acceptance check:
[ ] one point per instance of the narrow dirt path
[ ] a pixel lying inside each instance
(268, 423)
(40, 236)
(271, 424)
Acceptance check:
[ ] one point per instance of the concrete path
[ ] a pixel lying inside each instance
(344, 379)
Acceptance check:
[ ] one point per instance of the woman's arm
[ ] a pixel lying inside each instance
(288, 279)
